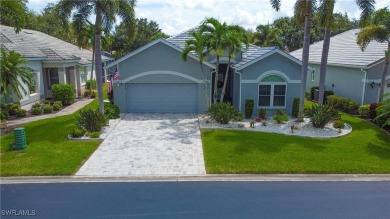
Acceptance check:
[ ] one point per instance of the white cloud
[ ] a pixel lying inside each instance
(176, 16)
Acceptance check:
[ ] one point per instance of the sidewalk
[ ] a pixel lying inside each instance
(80, 103)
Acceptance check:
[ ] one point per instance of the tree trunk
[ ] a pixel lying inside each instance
(324, 62)
(93, 60)
(216, 81)
(383, 78)
(205, 87)
(305, 60)
(225, 81)
(98, 59)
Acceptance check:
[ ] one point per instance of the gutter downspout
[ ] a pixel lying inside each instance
(364, 85)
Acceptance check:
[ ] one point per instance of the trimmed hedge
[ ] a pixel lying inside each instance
(343, 104)
(364, 110)
(249, 104)
(295, 107)
(63, 93)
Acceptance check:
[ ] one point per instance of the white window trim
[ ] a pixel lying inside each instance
(272, 95)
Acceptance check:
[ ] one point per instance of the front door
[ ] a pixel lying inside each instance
(51, 79)
(228, 97)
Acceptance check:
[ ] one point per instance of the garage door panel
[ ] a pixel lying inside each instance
(162, 98)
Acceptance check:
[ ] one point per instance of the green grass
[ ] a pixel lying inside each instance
(49, 152)
(105, 87)
(365, 150)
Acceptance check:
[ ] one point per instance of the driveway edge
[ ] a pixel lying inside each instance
(199, 178)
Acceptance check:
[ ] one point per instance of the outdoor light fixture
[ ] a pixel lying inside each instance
(372, 84)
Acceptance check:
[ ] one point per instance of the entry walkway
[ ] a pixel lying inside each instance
(80, 103)
(149, 144)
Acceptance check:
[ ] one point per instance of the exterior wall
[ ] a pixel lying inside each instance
(252, 75)
(348, 82)
(159, 64)
(39, 86)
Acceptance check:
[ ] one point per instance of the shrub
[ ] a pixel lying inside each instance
(21, 113)
(46, 102)
(249, 103)
(86, 93)
(63, 93)
(94, 135)
(364, 110)
(3, 114)
(373, 107)
(295, 107)
(326, 94)
(91, 120)
(312, 92)
(322, 115)
(224, 112)
(58, 103)
(111, 111)
(35, 105)
(93, 94)
(383, 113)
(338, 124)
(36, 111)
(11, 108)
(307, 111)
(56, 107)
(110, 96)
(263, 113)
(47, 109)
(88, 83)
(77, 132)
(343, 104)
(280, 117)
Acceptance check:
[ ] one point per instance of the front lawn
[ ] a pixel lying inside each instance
(365, 150)
(49, 152)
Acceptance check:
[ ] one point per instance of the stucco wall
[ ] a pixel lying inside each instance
(32, 97)
(159, 64)
(275, 64)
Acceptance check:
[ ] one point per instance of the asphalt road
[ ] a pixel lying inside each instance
(198, 200)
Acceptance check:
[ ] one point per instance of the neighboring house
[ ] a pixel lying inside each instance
(154, 78)
(351, 72)
(53, 60)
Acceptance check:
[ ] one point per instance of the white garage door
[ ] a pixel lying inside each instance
(165, 98)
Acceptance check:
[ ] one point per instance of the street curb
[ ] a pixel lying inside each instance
(199, 178)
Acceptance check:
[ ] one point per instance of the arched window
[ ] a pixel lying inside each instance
(272, 92)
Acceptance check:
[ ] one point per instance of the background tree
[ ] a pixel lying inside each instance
(13, 13)
(105, 12)
(13, 75)
(379, 30)
(266, 35)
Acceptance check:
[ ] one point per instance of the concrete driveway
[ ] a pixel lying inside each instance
(149, 144)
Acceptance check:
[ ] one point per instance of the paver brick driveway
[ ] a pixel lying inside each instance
(149, 144)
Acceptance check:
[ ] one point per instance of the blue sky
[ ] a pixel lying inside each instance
(175, 16)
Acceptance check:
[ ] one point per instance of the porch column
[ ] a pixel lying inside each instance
(62, 75)
(75, 81)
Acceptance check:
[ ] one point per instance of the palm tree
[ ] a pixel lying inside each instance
(327, 20)
(303, 10)
(216, 33)
(378, 30)
(13, 13)
(384, 112)
(235, 37)
(197, 45)
(13, 75)
(266, 35)
(105, 12)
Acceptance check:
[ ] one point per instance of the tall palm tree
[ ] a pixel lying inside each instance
(105, 12)
(216, 33)
(378, 30)
(327, 20)
(303, 10)
(198, 45)
(13, 75)
(235, 37)
(13, 13)
(266, 35)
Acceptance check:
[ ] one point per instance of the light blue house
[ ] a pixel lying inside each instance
(351, 72)
(154, 78)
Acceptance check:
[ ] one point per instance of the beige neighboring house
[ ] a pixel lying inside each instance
(54, 61)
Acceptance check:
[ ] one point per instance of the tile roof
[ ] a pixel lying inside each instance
(35, 44)
(344, 51)
(248, 54)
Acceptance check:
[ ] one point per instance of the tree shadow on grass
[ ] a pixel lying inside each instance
(381, 151)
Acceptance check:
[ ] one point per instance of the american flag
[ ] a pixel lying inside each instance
(114, 77)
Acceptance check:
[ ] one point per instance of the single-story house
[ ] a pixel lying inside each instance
(53, 60)
(154, 78)
(351, 72)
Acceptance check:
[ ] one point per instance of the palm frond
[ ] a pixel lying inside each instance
(370, 33)
(367, 7)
